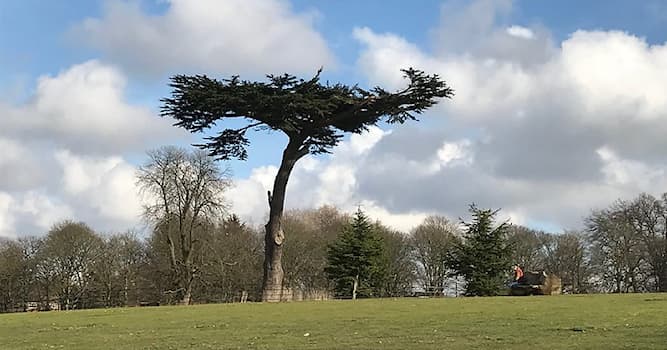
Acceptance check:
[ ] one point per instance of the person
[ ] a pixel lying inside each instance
(518, 273)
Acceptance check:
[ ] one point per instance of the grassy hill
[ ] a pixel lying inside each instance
(636, 321)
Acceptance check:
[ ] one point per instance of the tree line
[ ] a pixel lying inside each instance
(196, 253)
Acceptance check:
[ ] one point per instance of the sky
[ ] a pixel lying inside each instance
(560, 106)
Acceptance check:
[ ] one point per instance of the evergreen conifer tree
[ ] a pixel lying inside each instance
(314, 116)
(354, 258)
(483, 256)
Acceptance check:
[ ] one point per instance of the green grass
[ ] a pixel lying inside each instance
(636, 321)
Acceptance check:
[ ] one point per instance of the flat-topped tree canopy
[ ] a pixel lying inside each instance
(314, 116)
(310, 113)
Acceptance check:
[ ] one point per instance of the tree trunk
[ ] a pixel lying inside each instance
(355, 285)
(187, 285)
(109, 291)
(662, 274)
(274, 237)
(125, 295)
(187, 296)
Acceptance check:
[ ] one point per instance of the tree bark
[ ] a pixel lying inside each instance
(187, 295)
(188, 281)
(126, 284)
(274, 236)
(355, 285)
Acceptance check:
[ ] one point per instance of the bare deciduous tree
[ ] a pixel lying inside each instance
(617, 250)
(185, 194)
(232, 263)
(432, 242)
(69, 254)
(117, 268)
(528, 247)
(648, 218)
(566, 255)
(305, 256)
(397, 272)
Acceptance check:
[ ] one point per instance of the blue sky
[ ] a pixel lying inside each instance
(35, 37)
(359, 42)
(33, 33)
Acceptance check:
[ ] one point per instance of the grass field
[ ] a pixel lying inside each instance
(636, 321)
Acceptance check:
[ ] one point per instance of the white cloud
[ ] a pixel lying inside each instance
(231, 36)
(475, 28)
(315, 181)
(469, 26)
(333, 180)
(452, 153)
(19, 169)
(83, 108)
(543, 132)
(30, 212)
(11, 152)
(80, 175)
(398, 221)
(83, 115)
(105, 187)
(520, 32)
(532, 138)
(248, 197)
(100, 191)
(615, 70)
(6, 217)
(635, 174)
(574, 127)
(41, 210)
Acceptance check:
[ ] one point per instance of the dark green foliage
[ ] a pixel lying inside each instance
(355, 256)
(313, 114)
(483, 258)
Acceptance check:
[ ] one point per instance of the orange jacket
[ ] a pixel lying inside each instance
(518, 273)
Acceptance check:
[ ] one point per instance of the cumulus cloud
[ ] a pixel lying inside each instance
(30, 212)
(230, 37)
(6, 218)
(83, 108)
(105, 187)
(481, 29)
(633, 173)
(520, 32)
(544, 131)
(574, 127)
(20, 168)
(546, 139)
(317, 181)
(99, 190)
(63, 152)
